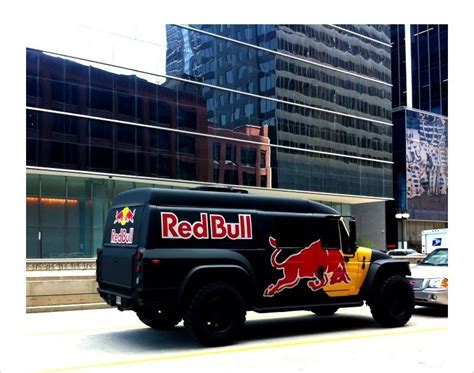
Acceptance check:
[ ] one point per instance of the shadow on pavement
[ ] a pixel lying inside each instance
(304, 325)
(178, 339)
(145, 340)
(431, 311)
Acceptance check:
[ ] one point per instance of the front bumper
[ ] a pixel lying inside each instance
(431, 297)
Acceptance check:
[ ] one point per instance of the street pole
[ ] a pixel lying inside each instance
(401, 218)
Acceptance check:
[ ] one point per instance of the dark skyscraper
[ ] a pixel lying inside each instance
(420, 110)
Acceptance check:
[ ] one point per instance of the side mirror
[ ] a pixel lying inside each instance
(353, 235)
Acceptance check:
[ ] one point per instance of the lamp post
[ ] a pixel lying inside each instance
(402, 217)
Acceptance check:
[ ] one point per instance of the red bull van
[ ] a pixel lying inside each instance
(209, 256)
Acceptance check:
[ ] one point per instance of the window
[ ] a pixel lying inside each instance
(249, 179)
(101, 159)
(164, 113)
(249, 109)
(72, 94)
(153, 110)
(186, 170)
(57, 91)
(164, 166)
(187, 118)
(230, 153)
(125, 134)
(126, 162)
(345, 242)
(263, 162)
(248, 157)
(216, 151)
(99, 130)
(126, 105)
(216, 175)
(228, 76)
(230, 177)
(186, 144)
(101, 100)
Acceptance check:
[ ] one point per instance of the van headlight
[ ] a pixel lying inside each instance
(441, 282)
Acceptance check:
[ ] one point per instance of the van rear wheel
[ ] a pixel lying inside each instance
(393, 302)
(216, 314)
(159, 319)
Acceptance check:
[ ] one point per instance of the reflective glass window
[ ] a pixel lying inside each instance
(230, 177)
(186, 170)
(186, 144)
(248, 157)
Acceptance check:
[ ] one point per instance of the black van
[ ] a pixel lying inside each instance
(208, 256)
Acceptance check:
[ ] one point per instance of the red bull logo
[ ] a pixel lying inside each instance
(212, 226)
(124, 216)
(318, 265)
(122, 237)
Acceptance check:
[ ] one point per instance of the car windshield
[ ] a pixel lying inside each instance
(436, 258)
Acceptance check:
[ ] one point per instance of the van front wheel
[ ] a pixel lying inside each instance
(216, 314)
(393, 302)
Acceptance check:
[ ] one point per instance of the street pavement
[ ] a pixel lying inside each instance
(107, 340)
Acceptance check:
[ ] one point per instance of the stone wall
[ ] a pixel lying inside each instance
(58, 285)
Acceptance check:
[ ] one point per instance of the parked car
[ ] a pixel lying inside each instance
(429, 279)
(401, 252)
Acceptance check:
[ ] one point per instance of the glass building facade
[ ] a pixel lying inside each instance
(420, 141)
(429, 67)
(289, 107)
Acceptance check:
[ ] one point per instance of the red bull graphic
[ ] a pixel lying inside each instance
(122, 237)
(319, 265)
(213, 226)
(125, 216)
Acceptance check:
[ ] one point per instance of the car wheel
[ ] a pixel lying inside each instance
(158, 319)
(393, 302)
(325, 311)
(216, 314)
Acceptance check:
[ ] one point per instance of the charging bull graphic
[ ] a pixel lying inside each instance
(319, 265)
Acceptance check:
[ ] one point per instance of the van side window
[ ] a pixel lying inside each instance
(345, 242)
(330, 236)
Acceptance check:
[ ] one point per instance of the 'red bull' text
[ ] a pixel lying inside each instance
(122, 237)
(212, 226)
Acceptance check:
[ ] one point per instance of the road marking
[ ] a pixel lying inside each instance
(224, 350)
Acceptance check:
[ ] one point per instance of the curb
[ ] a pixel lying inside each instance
(67, 307)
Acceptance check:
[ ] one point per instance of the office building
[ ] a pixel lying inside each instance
(295, 110)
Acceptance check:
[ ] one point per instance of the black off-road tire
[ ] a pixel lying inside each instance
(216, 314)
(325, 311)
(393, 302)
(159, 320)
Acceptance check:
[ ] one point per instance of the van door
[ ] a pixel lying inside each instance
(333, 273)
(121, 240)
(286, 267)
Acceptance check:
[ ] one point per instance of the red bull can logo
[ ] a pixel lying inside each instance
(124, 216)
(318, 265)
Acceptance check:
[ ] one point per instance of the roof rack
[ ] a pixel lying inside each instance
(220, 189)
